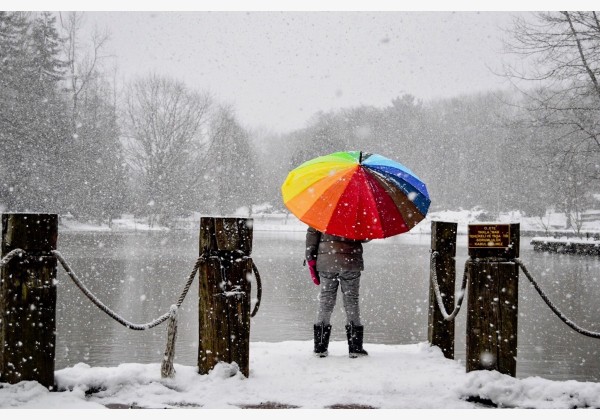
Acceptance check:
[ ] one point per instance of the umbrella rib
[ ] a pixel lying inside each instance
(383, 220)
(412, 180)
(372, 198)
(421, 201)
(340, 184)
(313, 176)
(410, 221)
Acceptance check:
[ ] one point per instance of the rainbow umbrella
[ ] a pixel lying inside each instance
(356, 195)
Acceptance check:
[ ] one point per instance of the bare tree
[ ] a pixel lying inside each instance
(167, 144)
(561, 53)
(82, 62)
(571, 188)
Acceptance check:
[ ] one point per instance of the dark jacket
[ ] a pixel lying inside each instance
(334, 253)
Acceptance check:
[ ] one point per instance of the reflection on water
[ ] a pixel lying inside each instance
(139, 275)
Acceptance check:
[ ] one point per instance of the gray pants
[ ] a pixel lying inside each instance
(350, 282)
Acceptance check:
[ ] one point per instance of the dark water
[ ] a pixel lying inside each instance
(139, 275)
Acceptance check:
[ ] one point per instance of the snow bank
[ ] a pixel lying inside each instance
(506, 391)
(564, 240)
(286, 375)
(126, 223)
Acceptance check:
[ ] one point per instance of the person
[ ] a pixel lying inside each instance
(336, 261)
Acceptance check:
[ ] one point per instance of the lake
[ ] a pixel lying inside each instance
(140, 274)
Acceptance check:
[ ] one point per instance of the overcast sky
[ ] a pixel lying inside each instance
(279, 68)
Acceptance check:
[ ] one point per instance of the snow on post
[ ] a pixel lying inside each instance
(28, 298)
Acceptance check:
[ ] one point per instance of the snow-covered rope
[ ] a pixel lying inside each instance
(553, 307)
(438, 294)
(113, 314)
(10, 256)
(167, 368)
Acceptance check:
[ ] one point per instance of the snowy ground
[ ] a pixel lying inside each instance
(286, 375)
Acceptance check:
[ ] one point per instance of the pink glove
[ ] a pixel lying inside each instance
(314, 274)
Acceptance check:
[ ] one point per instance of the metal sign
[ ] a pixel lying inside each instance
(489, 236)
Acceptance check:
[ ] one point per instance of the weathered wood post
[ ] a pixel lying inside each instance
(225, 293)
(443, 241)
(492, 310)
(28, 299)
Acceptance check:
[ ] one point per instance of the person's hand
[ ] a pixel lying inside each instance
(314, 274)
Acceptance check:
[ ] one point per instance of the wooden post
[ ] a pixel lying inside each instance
(28, 299)
(224, 319)
(492, 309)
(443, 241)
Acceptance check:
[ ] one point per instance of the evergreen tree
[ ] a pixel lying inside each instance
(47, 67)
(14, 52)
(32, 115)
(234, 173)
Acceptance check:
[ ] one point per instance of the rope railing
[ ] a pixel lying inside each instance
(438, 294)
(167, 369)
(112, 313)
(166, 315)
(461, 294)
(552, 306)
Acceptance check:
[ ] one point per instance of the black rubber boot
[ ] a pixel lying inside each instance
(322, 333)
(354, 333)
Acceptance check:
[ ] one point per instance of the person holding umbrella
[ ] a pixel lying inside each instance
(346, 199)
(336, 261)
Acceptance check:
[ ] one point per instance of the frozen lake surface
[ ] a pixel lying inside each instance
(139, 275)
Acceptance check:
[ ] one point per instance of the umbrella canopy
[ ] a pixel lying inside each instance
(356, 195)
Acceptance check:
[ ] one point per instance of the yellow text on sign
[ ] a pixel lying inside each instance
(489, 236)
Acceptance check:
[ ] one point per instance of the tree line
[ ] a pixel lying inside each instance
(72, 141)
